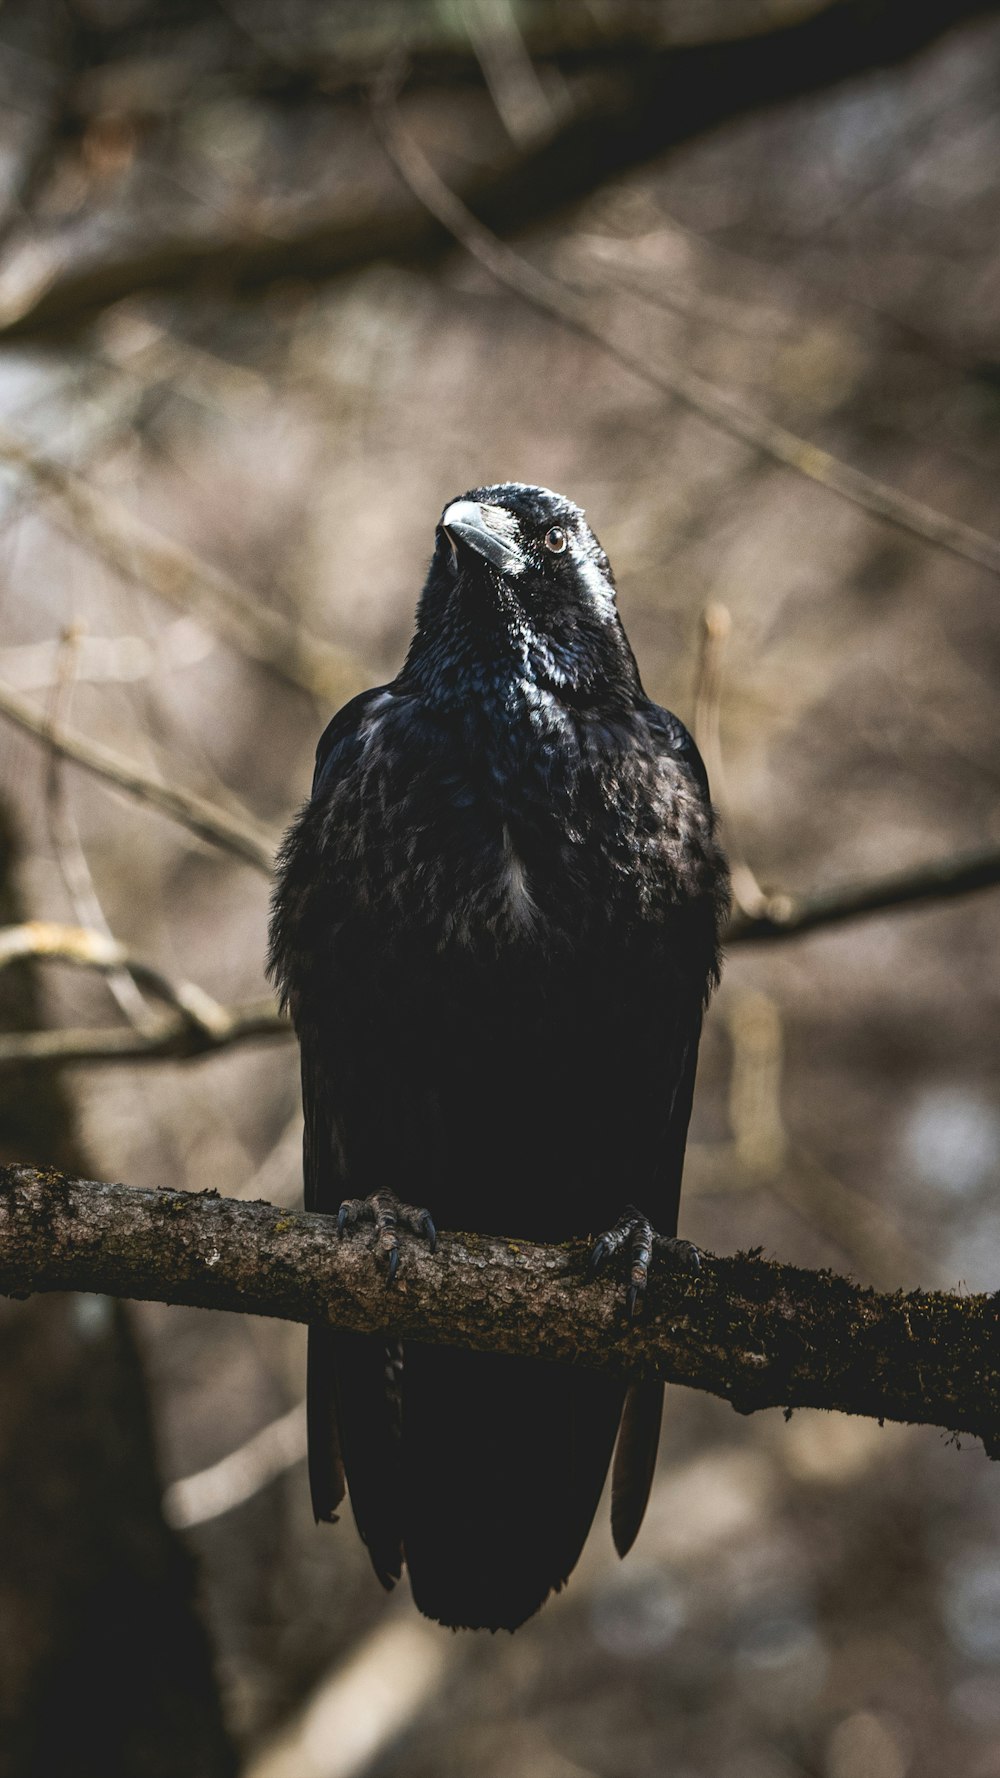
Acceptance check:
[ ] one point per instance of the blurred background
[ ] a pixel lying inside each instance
(241, 371)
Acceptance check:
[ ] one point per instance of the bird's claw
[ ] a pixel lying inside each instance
(599, 1255)
(682, 1256)
(388, 1214)
(633, 1234)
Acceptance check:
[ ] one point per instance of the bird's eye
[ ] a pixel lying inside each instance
(556, 540)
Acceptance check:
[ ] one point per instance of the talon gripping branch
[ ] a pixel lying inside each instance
(496, 927)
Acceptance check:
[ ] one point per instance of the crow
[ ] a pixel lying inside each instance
(496, 927)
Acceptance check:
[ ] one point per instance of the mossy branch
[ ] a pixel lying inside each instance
(754, 1332)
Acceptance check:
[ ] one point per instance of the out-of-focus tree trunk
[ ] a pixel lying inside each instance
(104, 1666)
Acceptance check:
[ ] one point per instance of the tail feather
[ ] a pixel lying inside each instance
(353, 1416)
(635, 1462)
(504, 1460)
(327, 1483)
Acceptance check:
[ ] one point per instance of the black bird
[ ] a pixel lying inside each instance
(496, 925)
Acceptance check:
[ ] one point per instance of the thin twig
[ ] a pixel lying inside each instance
(242, 837)
(715, 405)
(787, 916)
(89, 949)
(716, 623)
(240, 1475)
(765, 1154)
(173, 1039)
(198, 1024)
(65, 836)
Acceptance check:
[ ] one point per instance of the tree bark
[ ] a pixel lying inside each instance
(756, 1333)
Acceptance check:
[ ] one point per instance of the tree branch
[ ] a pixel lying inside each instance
(176, 1038)
(756, 1333)
(241, 836)
(786, 916)
(92, 949)
(659, 81)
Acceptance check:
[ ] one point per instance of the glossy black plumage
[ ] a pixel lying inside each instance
(496, 926)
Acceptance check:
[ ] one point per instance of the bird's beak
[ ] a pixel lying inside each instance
(489, 530)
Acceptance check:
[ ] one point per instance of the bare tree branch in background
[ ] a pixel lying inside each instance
(362, 1707)
(786, 916)
(713, 404)
(748, 896)
(243, 838)
(237, 1477)
(173, 1039)
(756, 1333)
(197, 1026)
(99, 951)
(65, 835)
(651, 79)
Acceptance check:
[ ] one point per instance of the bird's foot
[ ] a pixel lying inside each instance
(388, 1214)
(634, 1235)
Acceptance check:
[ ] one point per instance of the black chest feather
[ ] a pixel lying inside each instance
(572, 833)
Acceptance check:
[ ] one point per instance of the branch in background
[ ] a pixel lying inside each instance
(786, 916)
(243, 838)
(714, 405)
(761, 915)
(367, 1703)
(197, 1026)
(64, 834)
(159, 565)
(237, 1477)
(756, 1333)
(716, 623)
(642, 84)
(173, 1039)
(90, 949)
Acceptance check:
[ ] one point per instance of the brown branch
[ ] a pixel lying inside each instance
(251, 843)
(88, 948)
(754, 1332)
(647, 80)
(64, 834)
(748, 897)
(714, 405)
(786, 916)
(176, 1038)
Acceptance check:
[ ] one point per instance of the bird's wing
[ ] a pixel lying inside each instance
(352, 1401)
(639, 1435)
(677, 742)
(341, 740)
(352, 1405)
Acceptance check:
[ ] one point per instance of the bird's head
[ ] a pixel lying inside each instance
(520, 593)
